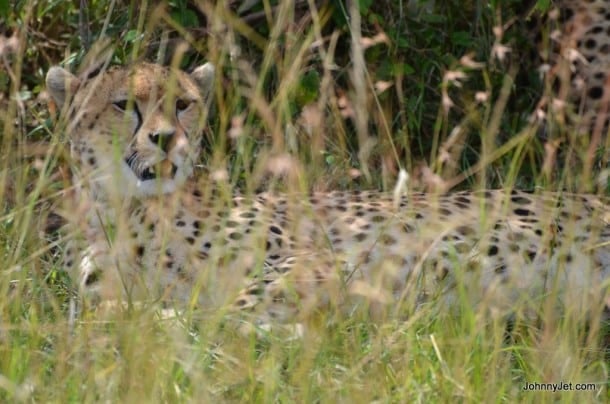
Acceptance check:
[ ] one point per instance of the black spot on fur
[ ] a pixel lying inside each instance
(378, 219)
(445, 211)
(523, 212)
(465, 231)
(463, 200)
(595, 92)
(93, 278)
(361, 236)
(493, 250)
(407, 228)
(519, 200)
(386, 239)
(591, 43)
(235, 236)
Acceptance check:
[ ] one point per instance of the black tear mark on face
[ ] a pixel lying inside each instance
(93, 278)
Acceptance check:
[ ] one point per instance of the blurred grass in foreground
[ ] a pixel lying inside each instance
(347, 107)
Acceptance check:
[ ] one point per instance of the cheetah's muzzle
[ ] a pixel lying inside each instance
(164, 169)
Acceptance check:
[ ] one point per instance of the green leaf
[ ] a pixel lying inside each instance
(308, 88)
(433, 18)
(364, 5)
(543, 5)
(4, 8)
(185, 18)
(4, 81)
(190, 19)
(131, 35)
(402, 42)
(461, 38)
(403, 68)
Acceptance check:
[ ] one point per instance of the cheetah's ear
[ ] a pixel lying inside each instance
(204, 77)
(61, 84)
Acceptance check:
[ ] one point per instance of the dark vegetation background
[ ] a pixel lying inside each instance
(408, 47)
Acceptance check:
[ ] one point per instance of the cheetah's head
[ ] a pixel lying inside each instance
(134, 131)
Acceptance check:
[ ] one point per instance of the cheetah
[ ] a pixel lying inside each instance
(578, 64)
(146, 229)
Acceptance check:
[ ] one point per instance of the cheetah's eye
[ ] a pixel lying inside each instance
(120, 105)
(181, 105)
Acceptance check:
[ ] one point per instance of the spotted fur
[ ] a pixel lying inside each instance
(581, 64)
(145, 230)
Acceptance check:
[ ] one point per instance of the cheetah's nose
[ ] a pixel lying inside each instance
(161, 139)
